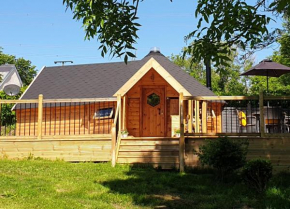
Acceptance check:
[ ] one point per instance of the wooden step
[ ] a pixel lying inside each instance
(148, 160)
(150, 138)
(149, 154)
(143, 142)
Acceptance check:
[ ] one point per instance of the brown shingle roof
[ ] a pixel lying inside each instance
(102, 80)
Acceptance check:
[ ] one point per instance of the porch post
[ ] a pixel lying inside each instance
(203, 120)
(189, 122)
(196, 116)
(181, 139)
(40, 112)
(113, 151)
(124, 127)
(119, 101)
(261, 107)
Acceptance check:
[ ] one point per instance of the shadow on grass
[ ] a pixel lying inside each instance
(169, 189)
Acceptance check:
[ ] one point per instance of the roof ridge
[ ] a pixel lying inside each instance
(101, 63)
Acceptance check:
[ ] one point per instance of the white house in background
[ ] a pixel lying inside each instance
(10, 76)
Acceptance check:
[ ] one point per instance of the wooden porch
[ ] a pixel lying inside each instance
(199, 118)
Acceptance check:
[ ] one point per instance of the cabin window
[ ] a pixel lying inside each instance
(104, 113)
(153, 100)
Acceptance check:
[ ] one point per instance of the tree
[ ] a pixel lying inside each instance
(24, 67)
(226, 82)
(222, 25)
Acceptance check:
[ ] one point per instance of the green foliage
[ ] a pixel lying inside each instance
(277, 86)
(8, 117)
(24, 67)
(224, 154)
(225, 82)
(222, 27)
(257, 173)
(114, 23)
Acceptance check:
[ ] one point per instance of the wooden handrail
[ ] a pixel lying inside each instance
(118, 146)
(220, 98)
(80, 100)
(18, 101)
(276, 97)
(23, 101)
(116, 114)
(115, 134)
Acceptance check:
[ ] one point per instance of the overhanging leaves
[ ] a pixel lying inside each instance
(112, 22)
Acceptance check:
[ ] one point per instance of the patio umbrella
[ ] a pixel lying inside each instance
(268, 68)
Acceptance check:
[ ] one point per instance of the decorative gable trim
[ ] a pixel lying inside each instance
(152, 63)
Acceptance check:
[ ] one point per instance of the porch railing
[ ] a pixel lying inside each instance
(56, 117)
(236, 115)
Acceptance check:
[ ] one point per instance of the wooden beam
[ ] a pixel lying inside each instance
(197, 125)
(113, 149)
(116, 114)
(204, 117)
(189, 122)
(124, 126)
(40, 113)
(18, 101)
(221, 98)
(276, 97)
(119, 102)
(76, 100)
(181, 139)
(261, 107)
(222, 134)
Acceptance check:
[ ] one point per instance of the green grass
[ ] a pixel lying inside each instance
(58, 184)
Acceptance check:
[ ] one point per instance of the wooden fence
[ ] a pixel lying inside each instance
(65, 117)
(262, 117)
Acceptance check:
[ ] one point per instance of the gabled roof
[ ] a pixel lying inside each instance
(102, 80)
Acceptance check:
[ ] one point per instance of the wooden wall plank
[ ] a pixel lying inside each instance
(73, 150)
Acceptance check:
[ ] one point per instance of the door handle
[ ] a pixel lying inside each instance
(159, 110)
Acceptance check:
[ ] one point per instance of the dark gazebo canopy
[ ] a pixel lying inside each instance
(268, 68)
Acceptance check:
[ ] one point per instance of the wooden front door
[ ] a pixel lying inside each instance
(153, 112)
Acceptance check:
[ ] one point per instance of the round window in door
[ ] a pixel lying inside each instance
(153, 100)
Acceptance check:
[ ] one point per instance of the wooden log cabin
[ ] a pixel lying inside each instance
(149, 90)
(142, 97)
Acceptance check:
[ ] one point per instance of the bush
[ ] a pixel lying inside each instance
(224, 154)
(257, 173)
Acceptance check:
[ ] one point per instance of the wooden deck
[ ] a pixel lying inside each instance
(165, 152)
(72, 149)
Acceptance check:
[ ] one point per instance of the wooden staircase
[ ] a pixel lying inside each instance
(156, 151)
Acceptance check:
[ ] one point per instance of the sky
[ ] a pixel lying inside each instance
(43, 31)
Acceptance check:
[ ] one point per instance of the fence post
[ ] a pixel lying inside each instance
(189, 122)
(197, 116)
(181, 139)
(124, 127)
(113, 145)
(40, 113)
(204, 117)
(261, 107)
(119, 101)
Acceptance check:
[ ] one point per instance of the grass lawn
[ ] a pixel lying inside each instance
(57, 184)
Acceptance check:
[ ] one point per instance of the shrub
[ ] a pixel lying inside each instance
(224, 154)
(257, 173)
